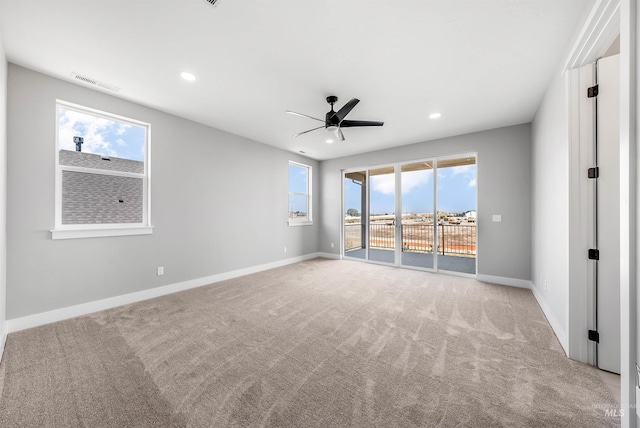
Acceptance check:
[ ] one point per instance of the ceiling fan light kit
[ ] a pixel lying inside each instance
(335, 120)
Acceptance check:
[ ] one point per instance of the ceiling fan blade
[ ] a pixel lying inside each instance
(304, 115)
(340, 114)
(297, 135)
(339, 134)
(352, 123)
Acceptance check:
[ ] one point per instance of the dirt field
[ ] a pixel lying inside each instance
(453, 239)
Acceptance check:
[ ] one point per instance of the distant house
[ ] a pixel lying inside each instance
(98, 198)
(470, 214)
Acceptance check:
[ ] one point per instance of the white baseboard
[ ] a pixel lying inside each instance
(329, 256)
(3, 336)
(560, 332)
(43, 318)
(501, 280)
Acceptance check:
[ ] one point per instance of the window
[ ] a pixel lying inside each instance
(299, 194)
(102, 174)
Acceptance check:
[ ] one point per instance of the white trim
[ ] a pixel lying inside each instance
(300, 223)
(308, 195)
(103, 114)
(100, 232)
(328, 256)
(560, 333)
(4, 328)
(629, 239)
(98, 171)
(501, 280)
(43, 318)
(601, 28)
(436, 238)
(95, 230)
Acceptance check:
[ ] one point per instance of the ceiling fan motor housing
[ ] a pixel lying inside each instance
(331, 122)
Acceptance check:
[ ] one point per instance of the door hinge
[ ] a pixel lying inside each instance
(593, 172)
(594, 254)
(592, 91)
(594, 336)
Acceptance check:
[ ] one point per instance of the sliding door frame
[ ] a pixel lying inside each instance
(438, 159)
(396, 197)
(398, 238)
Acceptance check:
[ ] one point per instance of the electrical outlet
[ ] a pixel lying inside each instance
(332, 245)
(285, 249)
(160, 270)
(497, 218)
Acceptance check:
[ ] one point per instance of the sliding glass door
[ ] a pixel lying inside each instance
(355, 208)
(382, 215)
(417, 214)
(456, 202)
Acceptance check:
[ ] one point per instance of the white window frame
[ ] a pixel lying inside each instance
(309, 220)
(71, 231)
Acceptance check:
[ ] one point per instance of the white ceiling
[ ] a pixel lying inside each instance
(481, 63)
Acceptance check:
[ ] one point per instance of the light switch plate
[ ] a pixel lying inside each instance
(497, 218)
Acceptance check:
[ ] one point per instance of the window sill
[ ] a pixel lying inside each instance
(300, 223)
(101, 232)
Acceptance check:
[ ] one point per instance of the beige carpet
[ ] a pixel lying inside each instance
(323, 343)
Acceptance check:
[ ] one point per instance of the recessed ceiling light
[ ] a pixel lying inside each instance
(187, 76)
(434, 115)
(329, 141)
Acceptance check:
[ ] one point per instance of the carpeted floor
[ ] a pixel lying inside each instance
(322, 343)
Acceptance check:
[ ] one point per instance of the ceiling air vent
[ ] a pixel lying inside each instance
(94, 82)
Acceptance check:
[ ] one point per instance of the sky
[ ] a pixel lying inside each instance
(101, 136)
(456, 189)
(298, 184)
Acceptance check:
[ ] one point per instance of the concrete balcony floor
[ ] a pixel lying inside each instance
(415, 259)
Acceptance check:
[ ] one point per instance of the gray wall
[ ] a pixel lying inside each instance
(219, 203)
(550, 199)
(3, 188)
(504, 187)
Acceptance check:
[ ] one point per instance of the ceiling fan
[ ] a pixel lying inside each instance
(335, 120)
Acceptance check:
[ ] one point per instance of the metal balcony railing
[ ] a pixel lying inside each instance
(453, 239)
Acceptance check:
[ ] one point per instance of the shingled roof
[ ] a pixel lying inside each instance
(95, 198)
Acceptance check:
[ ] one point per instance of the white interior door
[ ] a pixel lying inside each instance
(608, 214)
